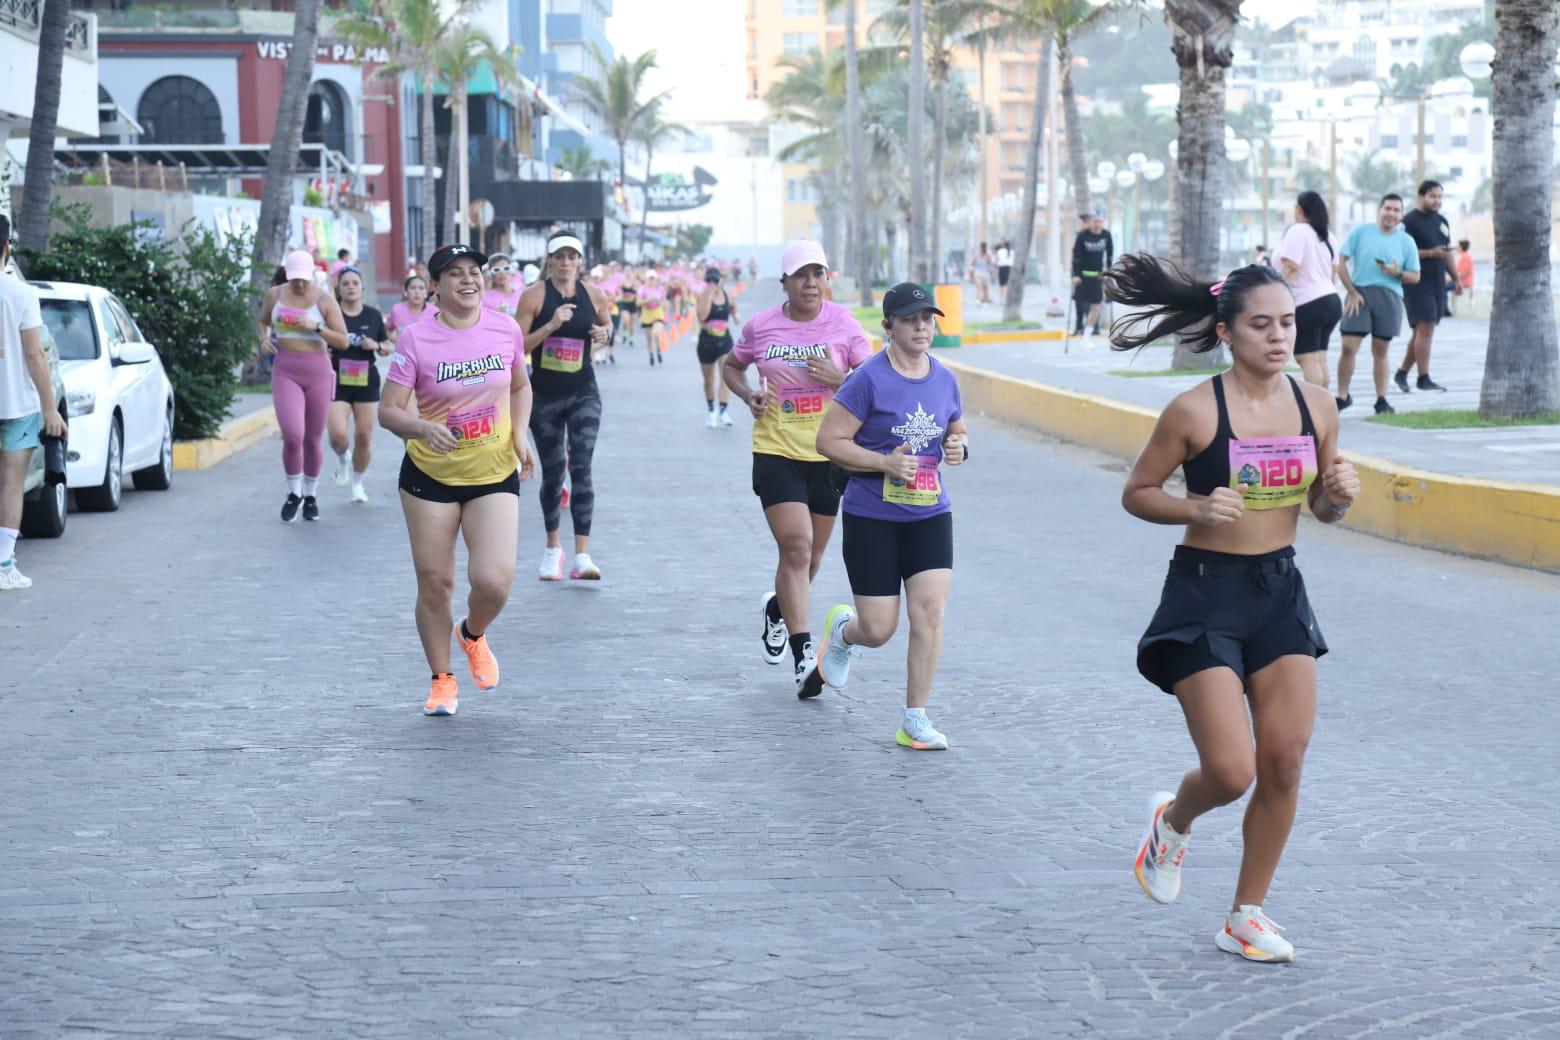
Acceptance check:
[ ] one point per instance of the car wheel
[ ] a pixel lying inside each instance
(106, 496)
(159, 477)
(44, 517)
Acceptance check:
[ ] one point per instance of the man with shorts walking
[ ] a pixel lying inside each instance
(1093, 251)
(1425, 301)
(1376, 262)
(27, 409)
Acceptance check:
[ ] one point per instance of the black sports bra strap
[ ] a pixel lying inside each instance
(1224, 409)
(1307, 427)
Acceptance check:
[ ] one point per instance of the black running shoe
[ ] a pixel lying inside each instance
(1400, 377)
(809, 682)
(1426, 383)
(776, 636)
(311, 508)
(290, 508)
(1383, 408)
(1344, 402)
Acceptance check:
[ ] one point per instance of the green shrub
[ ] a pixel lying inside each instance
(311, 197)
(188, 293)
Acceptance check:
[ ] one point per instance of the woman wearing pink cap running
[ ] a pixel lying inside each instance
(804, 348)
(297, 320)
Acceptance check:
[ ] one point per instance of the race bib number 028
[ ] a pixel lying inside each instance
(563, 354)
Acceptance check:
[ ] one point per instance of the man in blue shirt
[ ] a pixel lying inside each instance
(1376, 261)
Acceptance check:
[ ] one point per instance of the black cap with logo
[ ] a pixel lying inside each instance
(444, 256)
(712, 274)
(908, 298)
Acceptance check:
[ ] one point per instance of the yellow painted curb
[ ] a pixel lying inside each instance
(1498, 520)
(235, 436)
(1012, 336)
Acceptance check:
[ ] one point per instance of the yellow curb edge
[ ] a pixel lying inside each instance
(1498, 520)
(235, 435)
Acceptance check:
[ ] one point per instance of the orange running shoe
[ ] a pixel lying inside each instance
(484, 666)
(441, 699)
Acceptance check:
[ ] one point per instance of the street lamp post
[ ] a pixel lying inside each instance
(1237, 150)
(1136, 162)
(1128, 179)
(1152, 171)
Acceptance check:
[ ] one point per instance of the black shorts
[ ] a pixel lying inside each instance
(419, 485)
(712, 348)
(359, 394)
(777, 479)
(1223, 610)
(1315, 321)
(1424, 306)
(880, 555)
(1089, 291)
(628, 307)
(1002, 275)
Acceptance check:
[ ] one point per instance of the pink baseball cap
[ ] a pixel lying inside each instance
(801, 252)
(299, 265)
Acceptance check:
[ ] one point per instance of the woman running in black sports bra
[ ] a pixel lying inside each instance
(1234, 627)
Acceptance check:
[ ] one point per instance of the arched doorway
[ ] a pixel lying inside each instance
(179, 110)
(325, 120)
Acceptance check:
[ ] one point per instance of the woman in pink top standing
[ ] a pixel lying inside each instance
(804, 348)
(1307, 257)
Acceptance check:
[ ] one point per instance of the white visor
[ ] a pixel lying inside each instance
(558, 242)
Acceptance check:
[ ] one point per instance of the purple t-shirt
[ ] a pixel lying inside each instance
(895, 409)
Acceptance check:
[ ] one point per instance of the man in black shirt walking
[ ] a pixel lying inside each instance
(1425, 302)
(1093, 251)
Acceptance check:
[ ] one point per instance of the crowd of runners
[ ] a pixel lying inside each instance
(492, 378)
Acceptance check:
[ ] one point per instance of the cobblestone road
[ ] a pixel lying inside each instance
(225, 815)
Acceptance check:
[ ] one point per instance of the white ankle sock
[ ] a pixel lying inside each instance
(311, 485)
(8, 537)
(295, 483)
(357, 477)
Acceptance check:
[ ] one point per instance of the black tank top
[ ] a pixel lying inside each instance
(561, 364)
(1210, 468)
(719, 312)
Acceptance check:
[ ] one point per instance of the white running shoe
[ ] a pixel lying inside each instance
(712, 421)
(552, 564)
(343, 471)
(834, 665)
(725, 418)
(1158, 863)
(808, 682)
(1249, 933)
(12, 579)
(359, 493)
(776, 636)
(584, 568)
(916, 731)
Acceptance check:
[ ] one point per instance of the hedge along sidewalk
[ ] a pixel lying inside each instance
(1500, 520)
(252, 425)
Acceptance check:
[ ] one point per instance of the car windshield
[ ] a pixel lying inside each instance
(71, 324)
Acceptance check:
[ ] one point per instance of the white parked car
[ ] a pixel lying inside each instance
(119, 399)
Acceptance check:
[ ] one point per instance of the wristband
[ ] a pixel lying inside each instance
(1334, 507)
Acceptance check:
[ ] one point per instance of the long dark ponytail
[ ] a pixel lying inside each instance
(1315, 212)
(1175, 303)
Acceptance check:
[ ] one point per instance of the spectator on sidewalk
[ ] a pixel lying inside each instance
(1376, 261)
(1307, 255)
(980, 274)
(27, 408)
(1093, 251)
(1425, 300)
(1465, 272)
(1004, 258)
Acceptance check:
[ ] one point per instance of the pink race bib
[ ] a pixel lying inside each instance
(803, 404)
(563, 354)
(474, 427)
(1271, 472)
(354, 372)
(715, 328)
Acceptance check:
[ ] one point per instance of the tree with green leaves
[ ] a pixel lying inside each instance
(1522, 362)
(412, 32)
(581, 164)
(618, 99)
(464, 51)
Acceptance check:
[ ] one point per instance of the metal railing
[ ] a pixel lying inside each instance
(27, 15)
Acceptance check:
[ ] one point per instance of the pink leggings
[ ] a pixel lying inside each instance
(302, 385)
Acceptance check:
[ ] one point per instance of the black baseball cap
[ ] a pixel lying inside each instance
(908, 298)
(712, 274)
(444, 256)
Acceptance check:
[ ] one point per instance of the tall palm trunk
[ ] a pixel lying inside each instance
(1522, 364)
(1202, 33)
(449, 209)
(282, 162)
(916, 141)
(644, 214)
(855, 140)
(1023, 238)
(429, 149)
(33, 228)
(939, 160)
(1077, 165)
(985, 187)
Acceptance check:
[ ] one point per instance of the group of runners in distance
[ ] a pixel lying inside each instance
(480, 358)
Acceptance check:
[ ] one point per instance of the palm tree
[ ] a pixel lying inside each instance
(1074, 18)
(411, 32)
(917, 140)
(1522, 364)
(581, 164)
(653, 131)
(858, 158)
(616, 99)
(282, 161)
(1371, 178)
(1202, 35)
(33, 228)
(463, 52)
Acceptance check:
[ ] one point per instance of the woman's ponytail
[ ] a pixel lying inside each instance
(1174, 303)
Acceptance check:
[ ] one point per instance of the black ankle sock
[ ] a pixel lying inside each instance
(773, 610)
(709, 402)
(798, 642)
(466, 633)
(723, 407)
(440, 675)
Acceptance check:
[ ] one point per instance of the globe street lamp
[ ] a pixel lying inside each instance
(1476, 59)
(1136, 161)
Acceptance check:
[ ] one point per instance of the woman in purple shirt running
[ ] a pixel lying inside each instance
(891, 426)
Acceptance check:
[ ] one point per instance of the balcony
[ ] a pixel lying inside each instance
(25, 18)
(20, 23)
